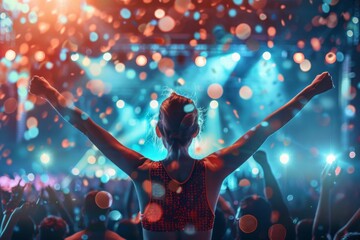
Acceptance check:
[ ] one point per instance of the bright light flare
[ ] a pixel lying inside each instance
(330, 159)
(235, 57)
(284, 158)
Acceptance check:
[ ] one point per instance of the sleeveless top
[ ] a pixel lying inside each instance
(176, 206)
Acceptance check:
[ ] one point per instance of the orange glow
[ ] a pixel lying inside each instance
(31, 122)
(159, 13)
(299, 57)
(243, 31)
(215, 91)
(166, 24)
(39, 56)
(330, 58)
(248, 223)
(316, 44)
(143, 76)
(271, 31)
(156, 57)
(141, 60)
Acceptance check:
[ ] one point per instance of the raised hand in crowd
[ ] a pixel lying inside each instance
(321, 225)
(275, 198)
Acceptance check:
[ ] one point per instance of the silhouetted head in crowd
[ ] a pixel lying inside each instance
(52, 228)
(304, 229)
(178, 122)
(96, 209)
(254, 218)
(25, 229)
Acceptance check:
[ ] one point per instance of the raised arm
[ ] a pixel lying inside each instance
(321, 225)
(64, 214)
(274, 196)
(125, 158)
(230, 158)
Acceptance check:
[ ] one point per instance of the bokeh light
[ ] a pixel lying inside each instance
(284, 158)
(299, 57)
(45, 158)
(215, 91)
(245, 92)
(214, 104)
(159, 13)
(330, 58)
(166, 24)
(243, 31)
(10, 55)
(200, 61)
(141, 60)
(120, 103)
(248, 223)
(305, 65)
(154, 104)
(103, 199)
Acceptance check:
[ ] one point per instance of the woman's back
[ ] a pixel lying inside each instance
(173, 199)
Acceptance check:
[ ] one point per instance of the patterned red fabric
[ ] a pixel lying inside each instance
(178, 206)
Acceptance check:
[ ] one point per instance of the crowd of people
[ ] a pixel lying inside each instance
(83, 213)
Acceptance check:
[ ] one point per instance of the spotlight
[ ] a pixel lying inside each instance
(235, 57)
(330, 158)
(284, 158)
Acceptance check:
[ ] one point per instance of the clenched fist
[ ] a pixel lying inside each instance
(322, 82)
(39, 86)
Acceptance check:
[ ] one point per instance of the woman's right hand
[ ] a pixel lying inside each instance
(39, 86)
(322, 82)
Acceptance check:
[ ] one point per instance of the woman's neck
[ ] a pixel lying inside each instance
(177, 154)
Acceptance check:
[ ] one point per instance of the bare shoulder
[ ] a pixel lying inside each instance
(142, 171)
(213, 162)
(146, 164)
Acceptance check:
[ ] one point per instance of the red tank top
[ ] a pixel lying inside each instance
(178, 206)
